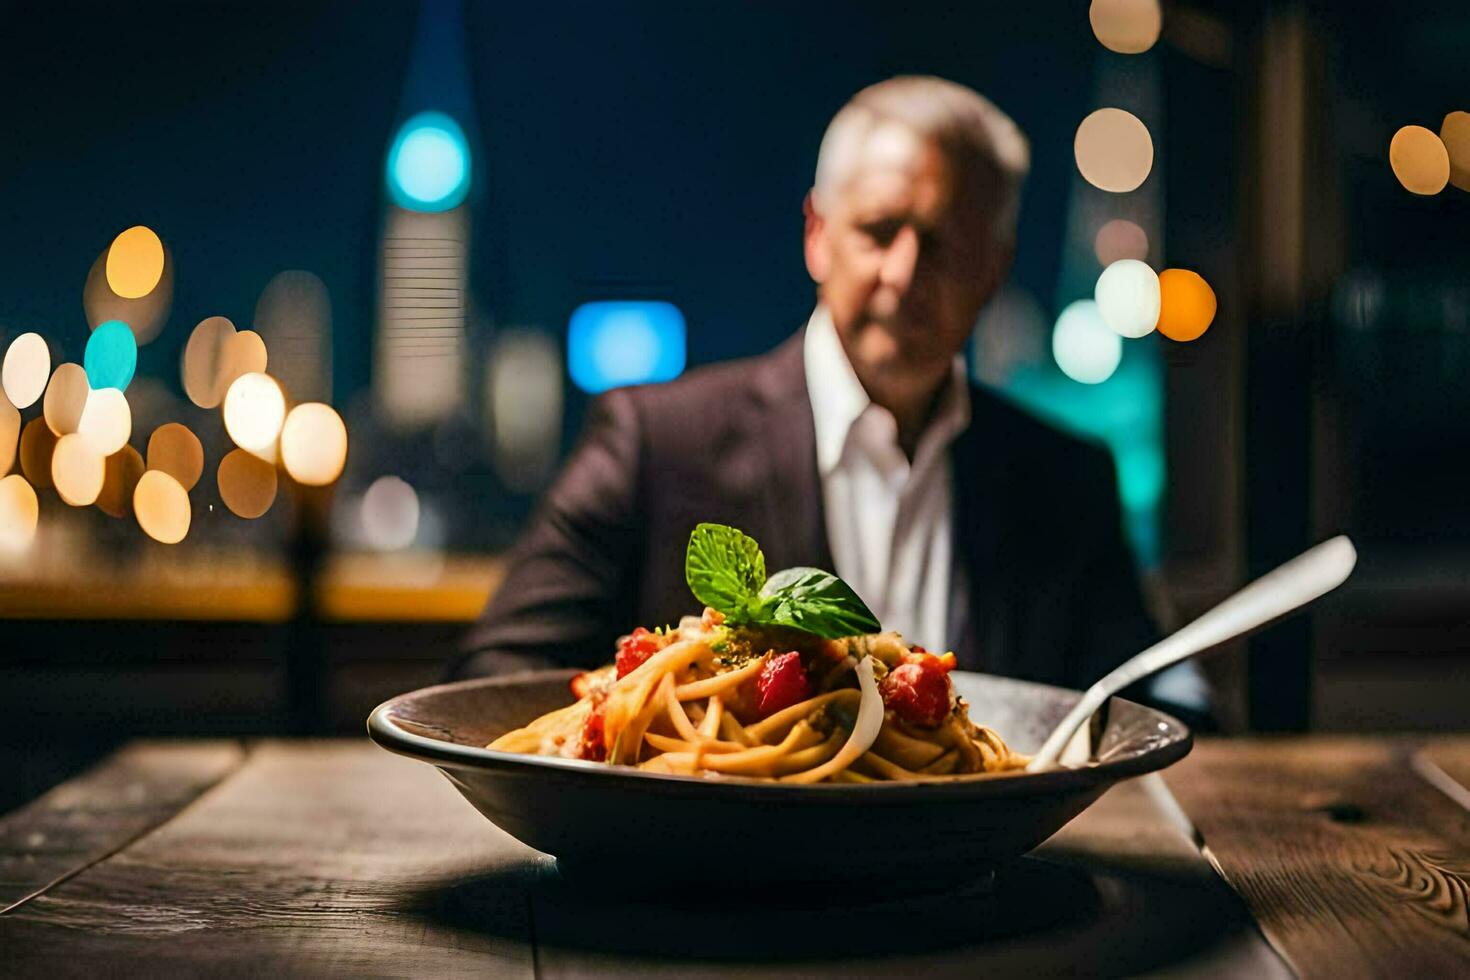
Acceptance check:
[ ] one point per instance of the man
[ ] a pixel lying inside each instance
(858, 445)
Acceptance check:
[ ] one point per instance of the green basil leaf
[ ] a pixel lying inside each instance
(815, 601)
(725, 569)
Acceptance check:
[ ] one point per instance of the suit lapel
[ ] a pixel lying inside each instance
(784, 432)
(981, 459)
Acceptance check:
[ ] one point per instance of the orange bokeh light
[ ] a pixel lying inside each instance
(247, 483)
(37, 443)
(1186, 304)
(135, 262)
(1454, 133)
(177, 451)
(1419, 160)
(124, 469)
(161, 507)
(19, 511)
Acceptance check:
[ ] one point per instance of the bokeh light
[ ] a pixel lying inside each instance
(525, 387)
(206, 362)
(77, 470)
(1114, 150)
(314, 444)
(124, 470)
(1084, 347)
(255, 409)
(107, 420)
(161, 507)
(294, 317)
(111, 356)
(26, 369)
(1419, 160)
(1454, 133)
(135, 262)
(66, 398)
(622, 343)
(19, 511)
(389, 514)
(1186, 304)
(1120, 239)
(37, 443)
(429, 164)
(1127, 295)
(9, 433)
(245, 353)
(247, 483)
(1126, 26)
(1010, 336)
(146, 315)
(175, 450)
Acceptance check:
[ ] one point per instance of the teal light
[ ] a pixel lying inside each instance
(111, 356)
(429, 164)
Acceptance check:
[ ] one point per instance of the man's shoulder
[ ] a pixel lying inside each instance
(724, 388)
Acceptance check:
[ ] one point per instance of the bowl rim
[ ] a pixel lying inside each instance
(383, 729)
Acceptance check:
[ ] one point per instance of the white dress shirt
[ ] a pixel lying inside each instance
(889, 520)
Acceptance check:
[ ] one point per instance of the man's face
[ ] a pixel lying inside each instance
(906, 256)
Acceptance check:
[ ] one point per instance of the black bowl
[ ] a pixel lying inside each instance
(653, 832)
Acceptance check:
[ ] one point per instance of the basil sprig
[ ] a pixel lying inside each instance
(726, 571)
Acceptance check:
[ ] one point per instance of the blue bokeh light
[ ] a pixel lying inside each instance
(111, 356)
(429, 164)
(615, 343)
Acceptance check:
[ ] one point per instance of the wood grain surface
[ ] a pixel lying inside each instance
(98, 813)
(335, 858)
(314, 859)
(1352, 863)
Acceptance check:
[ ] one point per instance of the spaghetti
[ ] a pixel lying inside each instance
(769, 702)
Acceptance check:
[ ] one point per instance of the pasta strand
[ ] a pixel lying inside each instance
(678, 713)
(720, 683)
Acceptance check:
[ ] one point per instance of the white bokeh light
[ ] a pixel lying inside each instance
(107, 421)
(314, 444)
(389, 514)
(1127, 295)
(255, 410)
(26, 370)
(1085, 348)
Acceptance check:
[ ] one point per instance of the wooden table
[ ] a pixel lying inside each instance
(1348, 857)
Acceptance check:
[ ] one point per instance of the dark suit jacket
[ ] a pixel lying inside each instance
(1052, 591)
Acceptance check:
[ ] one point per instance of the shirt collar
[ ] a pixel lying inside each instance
(839, 399)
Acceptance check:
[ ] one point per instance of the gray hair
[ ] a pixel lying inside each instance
(971, 132)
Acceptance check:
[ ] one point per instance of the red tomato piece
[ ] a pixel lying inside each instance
(781, 683)
(635, 648)
(593, 746)
(918, 692)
